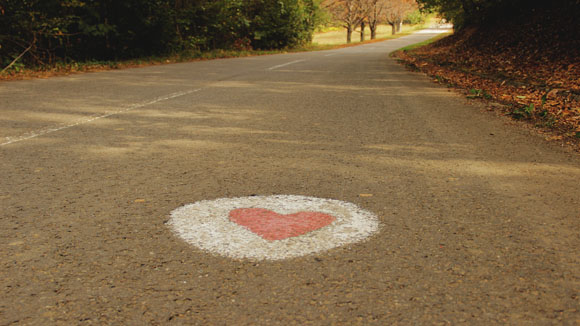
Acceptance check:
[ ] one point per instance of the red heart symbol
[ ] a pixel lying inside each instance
(273, 226)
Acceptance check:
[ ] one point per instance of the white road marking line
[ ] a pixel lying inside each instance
(330, 54)
(286, 64)
(37, 133)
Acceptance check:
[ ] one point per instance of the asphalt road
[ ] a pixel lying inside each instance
(479, 219)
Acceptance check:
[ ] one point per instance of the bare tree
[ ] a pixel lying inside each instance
(350, 13)
(376, 15)
(396, 11)
(354, 13)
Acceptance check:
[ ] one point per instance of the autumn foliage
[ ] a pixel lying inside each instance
(530, 63)
(353, 13)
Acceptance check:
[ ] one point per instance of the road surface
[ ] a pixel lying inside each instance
(479, 219)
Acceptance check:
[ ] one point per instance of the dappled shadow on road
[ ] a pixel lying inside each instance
(471, 211)
(313, 126)
(374, 122)
(289, 136)
(463, 200)
(60, 112)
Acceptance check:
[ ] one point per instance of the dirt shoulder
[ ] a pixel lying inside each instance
(530, 70)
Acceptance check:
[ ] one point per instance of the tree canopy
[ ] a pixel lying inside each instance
(477, 12)
(48, 31)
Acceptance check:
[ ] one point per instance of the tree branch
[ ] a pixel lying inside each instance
(19, 56)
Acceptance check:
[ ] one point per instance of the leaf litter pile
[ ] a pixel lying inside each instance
(530, 65)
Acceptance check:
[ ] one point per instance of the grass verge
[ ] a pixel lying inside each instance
(338, 36)
(420, 44)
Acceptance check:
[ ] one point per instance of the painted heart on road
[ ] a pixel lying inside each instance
(273, 226)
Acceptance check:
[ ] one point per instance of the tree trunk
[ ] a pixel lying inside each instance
(373, 28)
(393, 28)
(348, 34)
(399, 25)
(362, 31)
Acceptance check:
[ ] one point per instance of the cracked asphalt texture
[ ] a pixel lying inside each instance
(479, 218)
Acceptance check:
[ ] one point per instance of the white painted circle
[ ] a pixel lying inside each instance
(206, 225)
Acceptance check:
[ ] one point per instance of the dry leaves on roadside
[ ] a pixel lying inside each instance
(532, 68)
